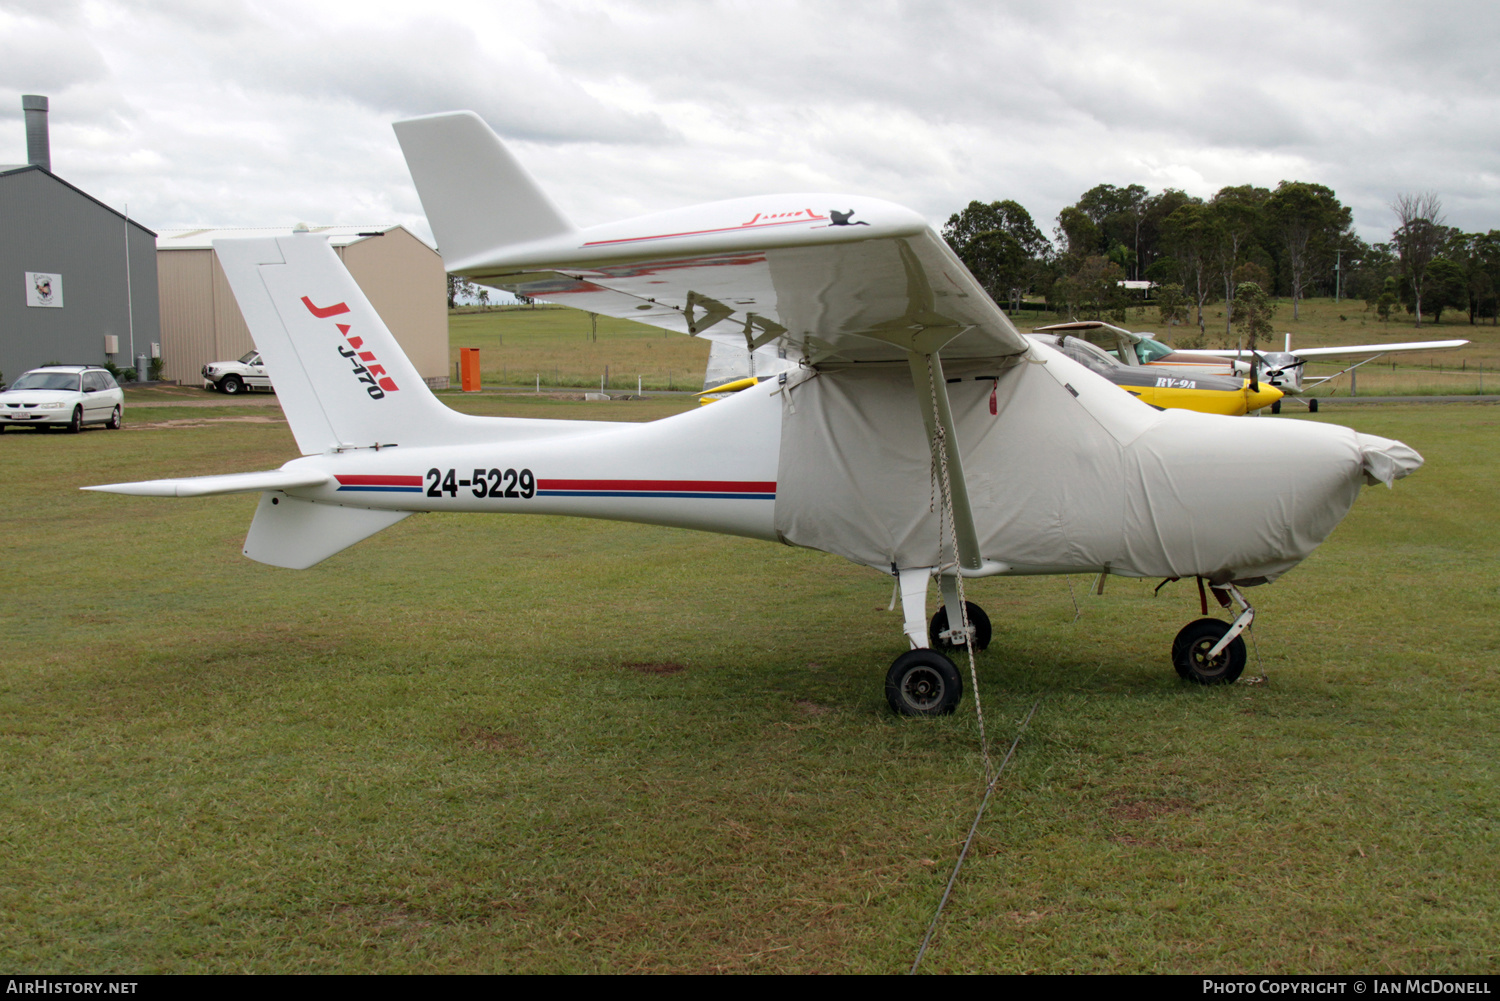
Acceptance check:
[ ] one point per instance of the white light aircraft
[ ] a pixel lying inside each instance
(905, 425)
(1281, 369)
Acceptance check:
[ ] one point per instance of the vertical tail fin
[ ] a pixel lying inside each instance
(342, 379)
(477, 196)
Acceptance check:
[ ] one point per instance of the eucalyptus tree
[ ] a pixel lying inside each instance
(1239, 213)
(1118, 214)
(1191, 234)
(1309, 222)
(1078, 234)
(1418, 237)
(1001, 246)
(1253, 312)
(1447, 286)
(1158, 208)
(1479, 255)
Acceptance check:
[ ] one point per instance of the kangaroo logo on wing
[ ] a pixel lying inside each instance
(377, 383)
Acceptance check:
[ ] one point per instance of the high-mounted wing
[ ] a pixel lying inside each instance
(824, 277)
(1346, 350)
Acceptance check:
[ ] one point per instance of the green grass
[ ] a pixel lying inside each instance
(544, 745)
(557, 345)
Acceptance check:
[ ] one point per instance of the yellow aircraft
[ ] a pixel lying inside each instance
(1281, 369)
(725, 391)
(1226, 393)
(1207, 394)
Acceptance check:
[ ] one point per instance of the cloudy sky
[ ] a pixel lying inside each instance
(262, 112)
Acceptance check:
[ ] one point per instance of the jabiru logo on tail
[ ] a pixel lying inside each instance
(373, 375)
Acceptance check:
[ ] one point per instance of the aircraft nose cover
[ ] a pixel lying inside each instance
(1251, 498)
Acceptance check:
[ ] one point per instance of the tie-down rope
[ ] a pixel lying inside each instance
(991, 775)
(939, 444)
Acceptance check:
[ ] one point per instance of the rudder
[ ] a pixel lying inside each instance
(477, 196)
(341, 378)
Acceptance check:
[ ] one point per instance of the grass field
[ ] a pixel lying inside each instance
(555, 343)
(479, 745)
(561, 347)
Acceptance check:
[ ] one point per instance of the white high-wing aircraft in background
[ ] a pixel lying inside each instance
(1281, 369)
(907, 425)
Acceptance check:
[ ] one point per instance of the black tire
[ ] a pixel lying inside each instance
(76, 424)
(1276, 407)
(1190, 653)
(114, 420)
(977, 619)
(1312, 406)
(923, 683)
(232, 385)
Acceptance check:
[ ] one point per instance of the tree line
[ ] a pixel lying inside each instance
(1243, 247)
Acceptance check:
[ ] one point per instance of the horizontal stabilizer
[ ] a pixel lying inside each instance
(294, 533)
(477, 196)
(208, 486)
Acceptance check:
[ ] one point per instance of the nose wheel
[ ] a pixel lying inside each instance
(1193, 657)
(1212, 651)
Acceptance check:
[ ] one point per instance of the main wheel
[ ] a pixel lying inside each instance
(114, 420)
(923, 683)
(233, 385)
(1190, 653)
(1312, 406)
(977, 619)
(76, 424)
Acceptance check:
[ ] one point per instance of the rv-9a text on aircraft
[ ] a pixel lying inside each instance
(1281, 370)
(889, 374)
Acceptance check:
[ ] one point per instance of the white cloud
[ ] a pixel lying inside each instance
(266, 112)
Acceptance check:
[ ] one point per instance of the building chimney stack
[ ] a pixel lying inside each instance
(38, 147)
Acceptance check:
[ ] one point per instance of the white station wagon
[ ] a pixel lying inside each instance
(234, 377)
(66, 396)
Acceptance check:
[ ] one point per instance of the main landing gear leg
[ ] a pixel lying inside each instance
(1209, 651)
(914, 604)
(921, 682)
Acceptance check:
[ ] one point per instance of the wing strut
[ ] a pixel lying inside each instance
(937, 415)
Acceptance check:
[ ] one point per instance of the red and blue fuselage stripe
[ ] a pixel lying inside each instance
(381, 484)
(712, 489)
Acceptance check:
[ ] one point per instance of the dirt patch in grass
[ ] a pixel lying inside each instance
(487, 739)
(654, 667)
(1147, 809)
(198, 422)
